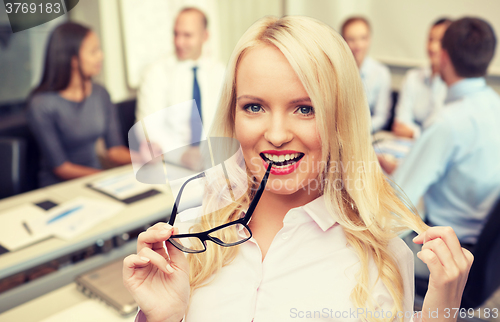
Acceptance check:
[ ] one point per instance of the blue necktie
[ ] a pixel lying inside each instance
(196, 110)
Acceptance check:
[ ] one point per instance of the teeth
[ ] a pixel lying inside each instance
(281, 158)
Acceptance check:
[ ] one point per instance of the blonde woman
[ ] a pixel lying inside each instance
(324, 243)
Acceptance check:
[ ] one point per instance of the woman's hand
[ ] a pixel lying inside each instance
(119, 155)
(159, 282)
(449, 266)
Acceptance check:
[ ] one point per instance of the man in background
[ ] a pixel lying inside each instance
(455, 164)
(376, 77)
(177, 80)
(423, 91)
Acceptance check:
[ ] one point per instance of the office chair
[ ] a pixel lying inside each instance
(126, 115)
(12, 166)
(484, 276)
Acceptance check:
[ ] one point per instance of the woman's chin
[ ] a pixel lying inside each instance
(282, 191)
(283, 187)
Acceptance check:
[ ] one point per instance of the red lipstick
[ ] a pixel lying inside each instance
(285, 170)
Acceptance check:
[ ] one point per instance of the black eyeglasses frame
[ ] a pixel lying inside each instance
(205, 235)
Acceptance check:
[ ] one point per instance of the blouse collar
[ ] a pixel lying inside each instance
(318, 211)
(315, 210)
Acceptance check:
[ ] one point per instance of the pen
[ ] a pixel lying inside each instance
(67, 212)
(27, 228)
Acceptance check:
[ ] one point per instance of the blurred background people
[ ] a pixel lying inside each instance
(454, 169)
(68, 112)
(423, 91)
(376, 76)
(174, 80)
(454, 164)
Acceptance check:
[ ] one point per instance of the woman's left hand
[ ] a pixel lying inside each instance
(449, 266)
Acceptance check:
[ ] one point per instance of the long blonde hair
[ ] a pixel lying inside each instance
(371, 215)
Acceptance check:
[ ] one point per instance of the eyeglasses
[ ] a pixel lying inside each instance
(230, 234)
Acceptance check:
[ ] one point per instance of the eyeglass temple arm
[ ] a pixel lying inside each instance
(259, 192)
(173, 214)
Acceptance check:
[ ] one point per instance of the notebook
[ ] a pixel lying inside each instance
(123, 187)
(106, 284)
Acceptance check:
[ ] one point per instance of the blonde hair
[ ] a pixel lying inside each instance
(370, 216)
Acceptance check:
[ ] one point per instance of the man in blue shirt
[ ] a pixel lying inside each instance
(455, 164)
(376, 76)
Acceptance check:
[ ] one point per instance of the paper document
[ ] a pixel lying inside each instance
(121, 186)
(74, 217)
(398, 148)
(14, 230)
(89, 310)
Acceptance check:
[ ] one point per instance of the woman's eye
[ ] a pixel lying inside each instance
(306, 110)
(253, 108)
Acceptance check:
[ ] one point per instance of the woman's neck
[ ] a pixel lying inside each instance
(75, 91)
(268, 217)
(273, 207)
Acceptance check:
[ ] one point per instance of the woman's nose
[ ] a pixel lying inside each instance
(278, 131)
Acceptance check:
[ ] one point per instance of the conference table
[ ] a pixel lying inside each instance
(112, 239)
(55, 297)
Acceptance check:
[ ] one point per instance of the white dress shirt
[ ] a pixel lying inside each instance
(308, 268)
(376, 79)
(169, 82)
(422, 96)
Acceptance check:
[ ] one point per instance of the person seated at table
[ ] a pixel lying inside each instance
(175, 80)
(455, 164)
(423, 91)
(68, 112)
(376, 76)
(294, 100)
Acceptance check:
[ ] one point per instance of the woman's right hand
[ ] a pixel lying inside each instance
(158, 281)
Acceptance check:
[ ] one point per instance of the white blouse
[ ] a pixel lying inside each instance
(308, 274)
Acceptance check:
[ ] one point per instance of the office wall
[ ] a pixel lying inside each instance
(400, 28)
(234, 17)
(147, 32)
(237, 16)
(21, 58)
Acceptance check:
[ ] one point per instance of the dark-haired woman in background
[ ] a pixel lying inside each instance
(68, 112)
